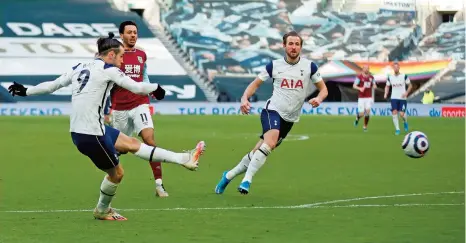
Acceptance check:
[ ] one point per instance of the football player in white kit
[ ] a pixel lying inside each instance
(398, 82)
(91, 84)
(293, 78)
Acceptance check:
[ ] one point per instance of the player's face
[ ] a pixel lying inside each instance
(118, 57)
(365, 69)
(396, 68)
(292, 46)
(130, 36)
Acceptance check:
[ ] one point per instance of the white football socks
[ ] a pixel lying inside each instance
(107, 191)
(159, 154)
(395, 122)
(257, 161)
(241, 167)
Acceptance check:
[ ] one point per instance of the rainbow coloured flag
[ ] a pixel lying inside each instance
(345, 71)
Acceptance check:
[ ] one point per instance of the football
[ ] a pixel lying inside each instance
(415, 144)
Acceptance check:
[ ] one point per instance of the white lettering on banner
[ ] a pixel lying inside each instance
(1, 31)
(68, 29)
(51, 29)
(80, 29)
(24, 29)
(206, 108)
(31, 112)
(21, 56)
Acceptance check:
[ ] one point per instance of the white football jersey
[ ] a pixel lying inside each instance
(292, 84)
(398, 83)
(91, 84)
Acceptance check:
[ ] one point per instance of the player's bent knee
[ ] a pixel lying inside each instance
(271, 143)
(119, 174)
(148, 139)
(125, 143)
(133, 145)
(116, 174)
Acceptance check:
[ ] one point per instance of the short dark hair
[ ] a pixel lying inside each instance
(291, 33)
(107, 44)
(124, 24)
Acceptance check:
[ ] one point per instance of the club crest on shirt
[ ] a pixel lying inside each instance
(140, 59)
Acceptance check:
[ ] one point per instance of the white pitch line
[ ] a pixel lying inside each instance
(245, 208)
(324, 204)
(376, 197)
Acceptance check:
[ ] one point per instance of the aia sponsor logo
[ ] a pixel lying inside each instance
(449, 111)
(291, 84)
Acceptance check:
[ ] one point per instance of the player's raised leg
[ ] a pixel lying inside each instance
(271, 122)
(258, 159)
(147, 135)
(239, 169)
(189, 160)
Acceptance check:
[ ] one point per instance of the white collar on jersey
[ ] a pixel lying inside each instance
(284, 58)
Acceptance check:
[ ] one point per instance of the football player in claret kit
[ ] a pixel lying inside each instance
(293, 78)
(91, 84)
(398, 83)
(130, 111)
(365, 84)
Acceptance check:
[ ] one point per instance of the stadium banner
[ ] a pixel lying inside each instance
(211, 108)
(49, 43)
(54, 56)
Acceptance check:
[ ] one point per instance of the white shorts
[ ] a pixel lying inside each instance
(132, 121)
(364, 104)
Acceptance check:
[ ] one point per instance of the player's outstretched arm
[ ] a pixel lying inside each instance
(250, 90)
(117, 76)
(42, 88)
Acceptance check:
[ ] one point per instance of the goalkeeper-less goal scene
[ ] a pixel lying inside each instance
(330, 121)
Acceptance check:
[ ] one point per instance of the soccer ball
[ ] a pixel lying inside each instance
(415, 144)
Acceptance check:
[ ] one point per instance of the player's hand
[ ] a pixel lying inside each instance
(159, 93)
(17, 89)
(385, 96)
(361, 89)
(315, 102)
(245, 106)
(404, 95)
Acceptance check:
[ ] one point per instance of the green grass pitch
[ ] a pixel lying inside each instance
(358, 187)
